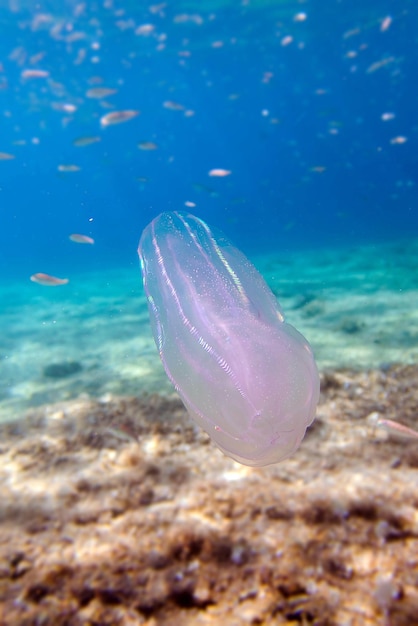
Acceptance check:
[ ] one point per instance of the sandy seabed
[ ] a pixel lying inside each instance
(156, 527)
(116, 510)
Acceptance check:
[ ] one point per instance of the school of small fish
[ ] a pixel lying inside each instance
(103, 100)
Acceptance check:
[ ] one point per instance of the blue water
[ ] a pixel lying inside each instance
(270, 113)
(310, 107)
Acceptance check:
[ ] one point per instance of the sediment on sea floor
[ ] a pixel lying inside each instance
(119, 511)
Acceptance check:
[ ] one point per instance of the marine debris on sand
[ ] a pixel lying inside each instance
(119, 511)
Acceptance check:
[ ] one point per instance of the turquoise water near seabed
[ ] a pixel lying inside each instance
(358, 307)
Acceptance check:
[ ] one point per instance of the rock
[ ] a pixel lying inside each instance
(62, 370)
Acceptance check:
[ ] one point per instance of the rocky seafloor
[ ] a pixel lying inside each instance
(119, 511)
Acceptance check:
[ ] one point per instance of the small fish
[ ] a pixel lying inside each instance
(318, 169)
(385, 23)
(147, 145)
(145, 29)
(47, 280)
(5, 156)
(219, 172)
(34, 59)
(81, 238)
(117, 117)
(399, 140)
(69, 168)
(378, 64)
(64, 107)
(396, 428)
(351, 33)
(267, 76)
(34, 74)
(386, 117)
(190, 204)
(157, 8)
(286, 40)
(85, 141)
(186, 17)
(100, 92)
(173, 106)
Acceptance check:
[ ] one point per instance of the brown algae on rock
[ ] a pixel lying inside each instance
(99, 529)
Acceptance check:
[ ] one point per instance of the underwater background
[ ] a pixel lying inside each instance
(291, 126)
